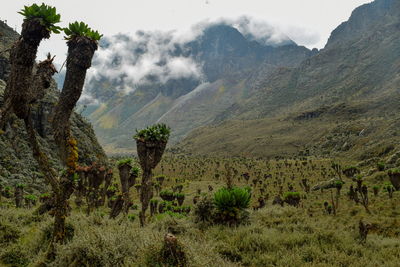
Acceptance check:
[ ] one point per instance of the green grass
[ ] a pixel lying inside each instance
(273, 236)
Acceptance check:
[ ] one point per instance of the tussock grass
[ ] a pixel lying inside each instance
(274, 235)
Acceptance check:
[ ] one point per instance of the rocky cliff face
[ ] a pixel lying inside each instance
(341, 100)
(16, 162)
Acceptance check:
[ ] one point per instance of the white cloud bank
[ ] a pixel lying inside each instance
(130, 60)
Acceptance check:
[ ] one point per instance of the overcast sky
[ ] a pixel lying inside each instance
(307, 22)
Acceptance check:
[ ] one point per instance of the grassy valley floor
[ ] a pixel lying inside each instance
(273, 235)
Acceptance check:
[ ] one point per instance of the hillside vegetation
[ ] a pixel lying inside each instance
(277, 156)
(307, 234)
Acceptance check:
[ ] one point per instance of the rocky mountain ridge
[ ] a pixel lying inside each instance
(322, 105)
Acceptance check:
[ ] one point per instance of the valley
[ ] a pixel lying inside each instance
(227, 146)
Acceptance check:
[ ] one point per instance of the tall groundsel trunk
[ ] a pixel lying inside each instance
(79, 59)
(80, 54)
(22, 59)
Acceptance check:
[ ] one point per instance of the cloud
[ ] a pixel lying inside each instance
(302, 36)
(129, 61)
(261, 31)
(267, 33)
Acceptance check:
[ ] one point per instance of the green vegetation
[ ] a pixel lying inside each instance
(81, 29)
(310, 232)
(157, 132)
(167, 195)
(48, 16)
(292, 198)
(289, 224)
(394, 171)
(231, 204)
(380, 166)
(19, 185)
(124, 162)
(30, 197)
(135, 171)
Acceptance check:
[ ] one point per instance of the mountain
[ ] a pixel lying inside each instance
(17, 164)
(217, 69)
(342, 100)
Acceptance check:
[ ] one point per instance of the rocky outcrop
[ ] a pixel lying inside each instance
(17, 164)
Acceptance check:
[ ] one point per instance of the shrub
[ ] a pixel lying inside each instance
(375, 188)
(170, 254)
(350, 171)
(174, 214)
(167, 195)
(44, 197)
(19, 185)
(292, 198)
(14, 256)
(7, 192)
(380, 166)
(47, 233)
(339, 184)
(131, 217)
(8, 233)
(32, 198)
(204, 211)
(231, 204)
(160, 179)
(157, 132)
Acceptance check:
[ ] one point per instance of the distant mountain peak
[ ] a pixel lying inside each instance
(364, 19)
(242, 29)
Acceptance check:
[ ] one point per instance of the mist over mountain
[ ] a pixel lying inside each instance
(159, 76)
(344, 99)
(128, 61)
(225, 74)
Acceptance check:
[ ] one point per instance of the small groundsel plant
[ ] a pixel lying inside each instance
(292, 198)
(167, 195)
(204, 210)
(135, 171)
(231, 205)
(81, 29)
(124, 161)
(48, 16)
(158, 132)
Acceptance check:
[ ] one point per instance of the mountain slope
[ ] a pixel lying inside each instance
(353, 83)
(228, 62)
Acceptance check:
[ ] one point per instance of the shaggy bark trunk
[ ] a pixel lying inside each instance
(107, 183)
(79, 59)
(24, 88)
(124, 178)
(150, 154)
(19, 196)
(146, 193)
(22, 59)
